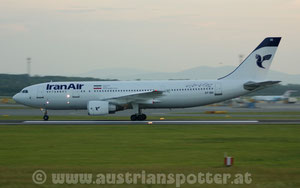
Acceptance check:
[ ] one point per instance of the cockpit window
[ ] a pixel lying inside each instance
(24, 91)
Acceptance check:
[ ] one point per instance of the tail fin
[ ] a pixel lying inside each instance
(255, 67)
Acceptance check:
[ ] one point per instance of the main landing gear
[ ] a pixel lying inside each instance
(138, 116)
(45, 117)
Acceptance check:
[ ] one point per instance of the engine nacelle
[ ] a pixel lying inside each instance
(96, 108)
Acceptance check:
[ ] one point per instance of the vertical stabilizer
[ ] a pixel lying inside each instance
(256, 66)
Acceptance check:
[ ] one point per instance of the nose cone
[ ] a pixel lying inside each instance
(16, 97)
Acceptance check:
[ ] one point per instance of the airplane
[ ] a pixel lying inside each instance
(106, 97)
(274, 98)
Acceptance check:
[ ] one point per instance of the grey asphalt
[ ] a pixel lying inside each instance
(103, 122)
(19, 110)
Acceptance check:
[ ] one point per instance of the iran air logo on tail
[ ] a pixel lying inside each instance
(260, 61)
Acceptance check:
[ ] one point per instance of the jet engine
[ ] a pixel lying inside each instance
(96, 108)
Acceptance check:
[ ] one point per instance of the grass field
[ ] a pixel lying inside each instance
(269, 152)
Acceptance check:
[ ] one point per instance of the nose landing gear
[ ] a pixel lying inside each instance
(45, 117)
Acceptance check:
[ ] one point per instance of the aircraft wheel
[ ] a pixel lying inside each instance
(140, 117)
(144, 117)
(134, 117)
(46, 118)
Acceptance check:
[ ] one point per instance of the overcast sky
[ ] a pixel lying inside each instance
(74, 36)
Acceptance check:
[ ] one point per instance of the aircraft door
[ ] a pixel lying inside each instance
(40, 92)
(218, 89)
(75, 98)
(76, 94)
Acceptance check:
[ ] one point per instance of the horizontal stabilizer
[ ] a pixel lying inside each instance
(259, 85)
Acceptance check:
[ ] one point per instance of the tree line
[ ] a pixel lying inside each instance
(11, 84)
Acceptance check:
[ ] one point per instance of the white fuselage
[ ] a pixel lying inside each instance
(174, 94)
(104, 97)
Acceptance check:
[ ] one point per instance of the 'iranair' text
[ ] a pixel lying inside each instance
(63, 86)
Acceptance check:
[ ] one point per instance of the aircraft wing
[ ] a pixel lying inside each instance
(145, 97)
(259, 85)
